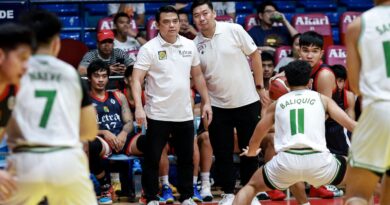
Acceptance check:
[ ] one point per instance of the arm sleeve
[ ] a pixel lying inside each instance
(85, 100)
(246, 42)
(140, 8)
(144, 61)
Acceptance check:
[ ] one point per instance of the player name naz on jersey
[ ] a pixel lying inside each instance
(303, 100)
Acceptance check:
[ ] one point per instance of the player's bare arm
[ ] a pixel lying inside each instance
(258, 76)
(351, 105)
(262, 129)
(138, 77)
(200, 85)
(127, 120)
(88, 126)
(337, 113)
(326, 83)
(353, 56)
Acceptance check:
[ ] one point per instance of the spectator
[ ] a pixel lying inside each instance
(117, 59)
(233, 90)
(126, 38)
(115, 127)
(220, 8)
(267, 36)
(268, 64)
(136, 11)
(168, 61)
(186, 29)
(294, 53)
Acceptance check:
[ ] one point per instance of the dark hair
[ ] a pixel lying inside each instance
(120, 14)
(298, 73)
(44, 24)
(261, 7)
(197, 3)
(165, 9)
(311, 38)
(265, 56)
(128, 71)
(13, 35)
(339, 71)
(97, 65)
(182, 11)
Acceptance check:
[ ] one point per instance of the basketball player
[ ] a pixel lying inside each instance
(52, 114)
(368, 61)
(15, 50)
(300, 143)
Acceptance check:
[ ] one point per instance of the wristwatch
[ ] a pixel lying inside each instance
(259, 87)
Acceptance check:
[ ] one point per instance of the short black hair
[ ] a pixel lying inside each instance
(165, 9)
(311, 38)
(120, 14)
(97, 65)
(128, 71)
(44, 24)
(12, 35)
(197, 3)
(298, 73)
(182, 11)
(265, 56)
(261, 7)
(339, 71)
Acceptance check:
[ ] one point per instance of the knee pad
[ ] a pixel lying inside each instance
(357, 200)
(106, 149)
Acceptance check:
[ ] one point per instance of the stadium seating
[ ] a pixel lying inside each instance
(72, 51)
(317, 22)
(281, 52)
(250, 21)
(151, 29)
(336, 54)
(225, 18)
(345, 19)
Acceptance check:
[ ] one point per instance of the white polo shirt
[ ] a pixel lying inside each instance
(167, 88)
(225, 66)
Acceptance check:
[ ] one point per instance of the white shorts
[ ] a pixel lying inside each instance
(315, 168)
(62, 176)
(370, 148)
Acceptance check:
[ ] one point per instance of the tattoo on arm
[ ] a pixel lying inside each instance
(127, 117)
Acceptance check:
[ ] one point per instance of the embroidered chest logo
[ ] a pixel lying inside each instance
(162, 55)
(112, 101)
(201, 48)
(185, 53)
(105, 109)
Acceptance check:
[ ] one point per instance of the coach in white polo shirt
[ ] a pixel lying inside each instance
(223, 49)
(168, 61)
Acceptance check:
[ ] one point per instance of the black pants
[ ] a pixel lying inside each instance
(221, 130)
(182, 140)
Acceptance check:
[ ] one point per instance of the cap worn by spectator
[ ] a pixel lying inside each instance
(104, 35)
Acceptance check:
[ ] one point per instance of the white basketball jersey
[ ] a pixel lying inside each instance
(48, 104)
(374, 48)
(300, 121)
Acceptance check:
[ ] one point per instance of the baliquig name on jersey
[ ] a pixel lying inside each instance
(299, 101)
(45, 76)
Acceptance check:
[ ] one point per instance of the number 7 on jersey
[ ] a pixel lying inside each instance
(50, 95)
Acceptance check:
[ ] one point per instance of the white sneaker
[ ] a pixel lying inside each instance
(227, 199)
(255, 201)
(205, 192)
(188, 202)
(153, 203)
(336, 191)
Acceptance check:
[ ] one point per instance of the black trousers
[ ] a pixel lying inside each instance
(221, 131)
(156, 138)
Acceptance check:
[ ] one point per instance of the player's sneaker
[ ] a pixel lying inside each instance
(227, 199)
(166, 194)
(153, 203)
(321, 192)
(196, 197)
(106, 195)
(336, 191)
(205, 192)
(189, 201)
(276, 195)
(137, 169)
